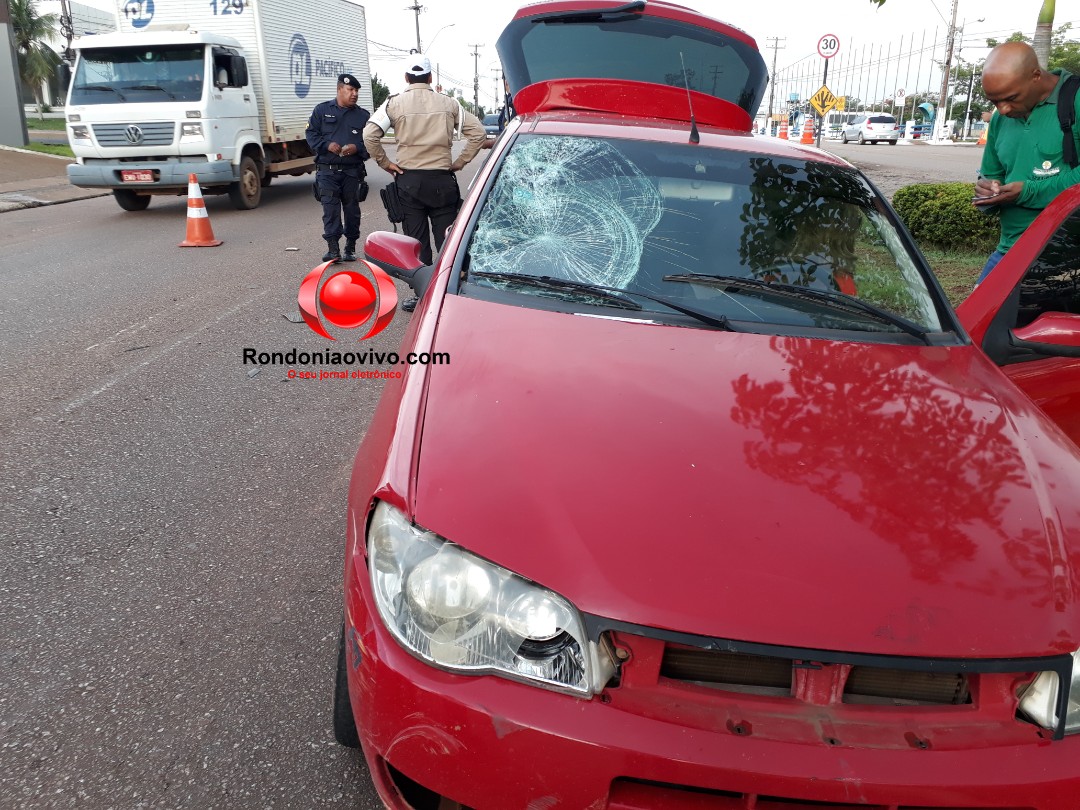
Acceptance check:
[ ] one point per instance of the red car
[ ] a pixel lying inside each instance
(718, 503)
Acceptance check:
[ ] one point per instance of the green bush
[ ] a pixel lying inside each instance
(941, 215)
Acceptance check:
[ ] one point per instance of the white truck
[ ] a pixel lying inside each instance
(221, 89)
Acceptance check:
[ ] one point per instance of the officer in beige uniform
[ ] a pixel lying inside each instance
(424, 123)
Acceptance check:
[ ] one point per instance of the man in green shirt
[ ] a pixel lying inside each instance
(1022, 168)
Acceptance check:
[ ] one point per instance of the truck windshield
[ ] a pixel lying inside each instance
(160, 73)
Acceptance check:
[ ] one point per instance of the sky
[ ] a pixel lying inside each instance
(450, 28)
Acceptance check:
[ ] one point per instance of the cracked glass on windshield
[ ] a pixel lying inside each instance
(633, 214)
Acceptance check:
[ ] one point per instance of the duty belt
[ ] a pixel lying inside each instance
(340, 167)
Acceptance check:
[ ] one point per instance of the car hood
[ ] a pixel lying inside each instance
(804, 492)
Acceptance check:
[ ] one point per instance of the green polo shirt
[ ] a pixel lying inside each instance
(1029, 150)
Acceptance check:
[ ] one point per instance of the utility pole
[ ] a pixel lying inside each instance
(416, 8)
(476, 78)
(772, 81)
(940, 115)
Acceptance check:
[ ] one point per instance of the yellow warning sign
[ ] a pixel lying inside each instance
(841, 104)
(823, 100)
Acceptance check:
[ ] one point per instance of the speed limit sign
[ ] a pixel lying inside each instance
(828, 46)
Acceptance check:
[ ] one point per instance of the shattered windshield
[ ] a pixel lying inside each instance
(682, 221)
(150, 74)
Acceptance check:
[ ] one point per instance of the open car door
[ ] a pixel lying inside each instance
(1026, 314)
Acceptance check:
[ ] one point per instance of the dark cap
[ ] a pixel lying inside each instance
(349, 79)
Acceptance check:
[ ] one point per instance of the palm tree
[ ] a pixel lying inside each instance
(37, 61)
(1041, 40)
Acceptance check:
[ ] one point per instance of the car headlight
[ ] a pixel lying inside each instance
(192, 131)
(464, 614)
(1040, 700)
(80, 133)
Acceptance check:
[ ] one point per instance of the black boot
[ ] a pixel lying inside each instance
(333, 252)
(350, 251)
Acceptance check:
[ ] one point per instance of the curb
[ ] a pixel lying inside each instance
(52, 189)
(34, 152)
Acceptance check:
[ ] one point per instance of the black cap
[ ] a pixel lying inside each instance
(349, 79)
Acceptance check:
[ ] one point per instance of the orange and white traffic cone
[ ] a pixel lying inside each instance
(199, 232)
(783, 130)
(808, 131)
(982, 136)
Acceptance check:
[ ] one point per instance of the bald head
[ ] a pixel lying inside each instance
(1013, 81)
(1011, 59)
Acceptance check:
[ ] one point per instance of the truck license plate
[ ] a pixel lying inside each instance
(137, 176)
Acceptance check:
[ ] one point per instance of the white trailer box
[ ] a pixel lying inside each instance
(217, 88)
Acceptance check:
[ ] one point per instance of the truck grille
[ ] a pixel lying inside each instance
(154, 133)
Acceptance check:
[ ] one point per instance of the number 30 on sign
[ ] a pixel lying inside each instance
(828, 46)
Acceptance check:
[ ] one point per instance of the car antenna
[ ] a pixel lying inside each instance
(694, 137)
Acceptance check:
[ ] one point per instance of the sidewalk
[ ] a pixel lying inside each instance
(29, 179)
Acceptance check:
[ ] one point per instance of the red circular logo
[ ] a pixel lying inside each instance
(347, 299)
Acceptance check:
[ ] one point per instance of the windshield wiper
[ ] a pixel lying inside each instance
(614, 295)
(152, 87)
(837, 299)
(102, 87)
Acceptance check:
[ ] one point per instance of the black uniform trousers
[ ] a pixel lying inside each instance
(428, 194)
(339, 192)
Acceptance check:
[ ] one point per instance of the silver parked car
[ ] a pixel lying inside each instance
(871, 129)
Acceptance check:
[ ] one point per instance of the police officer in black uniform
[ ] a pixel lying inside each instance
(335, 133)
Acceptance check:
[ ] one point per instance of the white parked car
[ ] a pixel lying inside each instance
(871, 129)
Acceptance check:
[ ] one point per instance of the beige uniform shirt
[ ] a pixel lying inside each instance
(424, 123)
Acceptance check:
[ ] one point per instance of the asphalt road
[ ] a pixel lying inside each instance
(173, 520)
(892, 167)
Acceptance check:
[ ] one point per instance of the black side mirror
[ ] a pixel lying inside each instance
(239, 71)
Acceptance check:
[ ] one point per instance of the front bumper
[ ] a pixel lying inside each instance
(167, 173)
(490, 743)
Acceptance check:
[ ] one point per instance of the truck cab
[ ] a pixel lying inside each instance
(146, 112)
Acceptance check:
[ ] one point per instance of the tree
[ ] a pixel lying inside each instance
(37, 61)
(1043, 28)
(379, 92)
(1064, 51)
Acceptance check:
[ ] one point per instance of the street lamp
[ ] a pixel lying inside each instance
(432, 42)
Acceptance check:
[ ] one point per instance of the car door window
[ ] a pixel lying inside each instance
(1052, 283)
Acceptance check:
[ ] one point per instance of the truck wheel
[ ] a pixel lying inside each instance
(129, 200)
(247, 191)
(265, 181)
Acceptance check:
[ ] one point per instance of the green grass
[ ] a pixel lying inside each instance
(61, 149)
(955, 270)
(50, 124)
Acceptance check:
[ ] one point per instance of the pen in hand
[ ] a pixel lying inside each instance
(992, 186)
